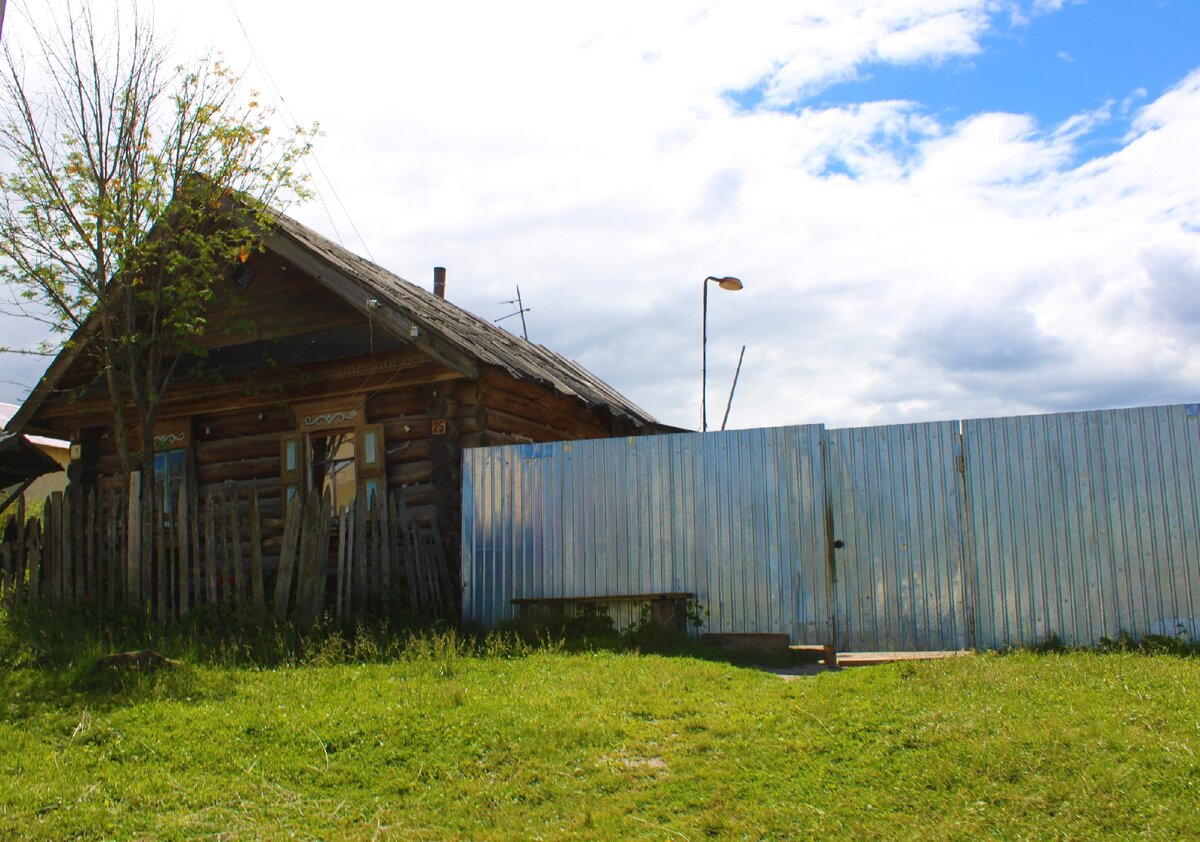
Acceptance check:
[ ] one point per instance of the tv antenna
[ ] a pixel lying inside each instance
(521, 311)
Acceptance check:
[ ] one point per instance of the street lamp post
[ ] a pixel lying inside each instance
(733, 285)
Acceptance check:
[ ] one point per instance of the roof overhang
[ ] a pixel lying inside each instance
(21, 462)
(368, 302)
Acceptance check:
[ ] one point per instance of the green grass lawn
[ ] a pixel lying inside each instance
(443, 743)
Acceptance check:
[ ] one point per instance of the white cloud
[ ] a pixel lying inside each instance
(590, 155)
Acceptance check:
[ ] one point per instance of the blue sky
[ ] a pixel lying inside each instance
(1101, 55)
(939, 208)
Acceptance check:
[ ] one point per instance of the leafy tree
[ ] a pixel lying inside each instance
(130, 187)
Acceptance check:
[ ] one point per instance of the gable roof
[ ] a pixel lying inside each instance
(449, 334)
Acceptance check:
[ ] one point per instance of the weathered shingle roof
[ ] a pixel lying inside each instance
(447, 332)
(469, 335)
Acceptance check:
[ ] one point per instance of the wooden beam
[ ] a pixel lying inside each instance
(356, 293)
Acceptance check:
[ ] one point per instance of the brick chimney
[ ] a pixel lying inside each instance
(439, 281)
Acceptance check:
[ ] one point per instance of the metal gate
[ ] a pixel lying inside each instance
(896, 501)
(737, 518)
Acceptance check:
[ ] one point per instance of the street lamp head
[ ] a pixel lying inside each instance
(731, 284)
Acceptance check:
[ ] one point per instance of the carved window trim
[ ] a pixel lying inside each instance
(321, 418)
(173, 435)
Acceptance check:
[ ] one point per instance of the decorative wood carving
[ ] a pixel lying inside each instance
(169, 435)
(330, 419)
(332, 414)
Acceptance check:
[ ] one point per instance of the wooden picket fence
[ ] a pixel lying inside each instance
(86, 550)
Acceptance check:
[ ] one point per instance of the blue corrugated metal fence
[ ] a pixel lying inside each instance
(1080, 525)
(1084, 524)
(737, 518)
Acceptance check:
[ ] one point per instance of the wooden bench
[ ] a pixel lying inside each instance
(668, 609)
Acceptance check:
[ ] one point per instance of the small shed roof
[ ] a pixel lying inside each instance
(8, 410)
(21, 462)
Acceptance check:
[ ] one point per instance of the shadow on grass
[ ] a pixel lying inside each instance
(62, 658)
(1150, 644)
(48, 659)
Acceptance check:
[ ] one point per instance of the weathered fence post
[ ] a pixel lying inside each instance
(7, 581)
(33, 558)
(160, 596)
(256, 555)
(408, 545)
(21, 564)
(91, 537)
(210, 546)
(385, 554)
(183, 512)
(361, 579)
(234, 538)
(309, 550)
(287, 555)
(194, 517)
(52, 547)
(133, 540)
(67, 544)
(344, 533)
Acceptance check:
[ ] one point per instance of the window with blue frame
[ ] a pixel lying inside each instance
(170, 469)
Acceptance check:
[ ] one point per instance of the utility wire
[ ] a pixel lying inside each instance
(276, 94)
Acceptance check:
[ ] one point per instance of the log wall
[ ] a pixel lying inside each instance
(428, 416)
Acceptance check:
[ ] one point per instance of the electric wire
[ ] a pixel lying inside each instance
(274, 91)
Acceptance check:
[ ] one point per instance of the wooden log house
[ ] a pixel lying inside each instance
(325, 371)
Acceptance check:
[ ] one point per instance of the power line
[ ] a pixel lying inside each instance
(276, 94)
